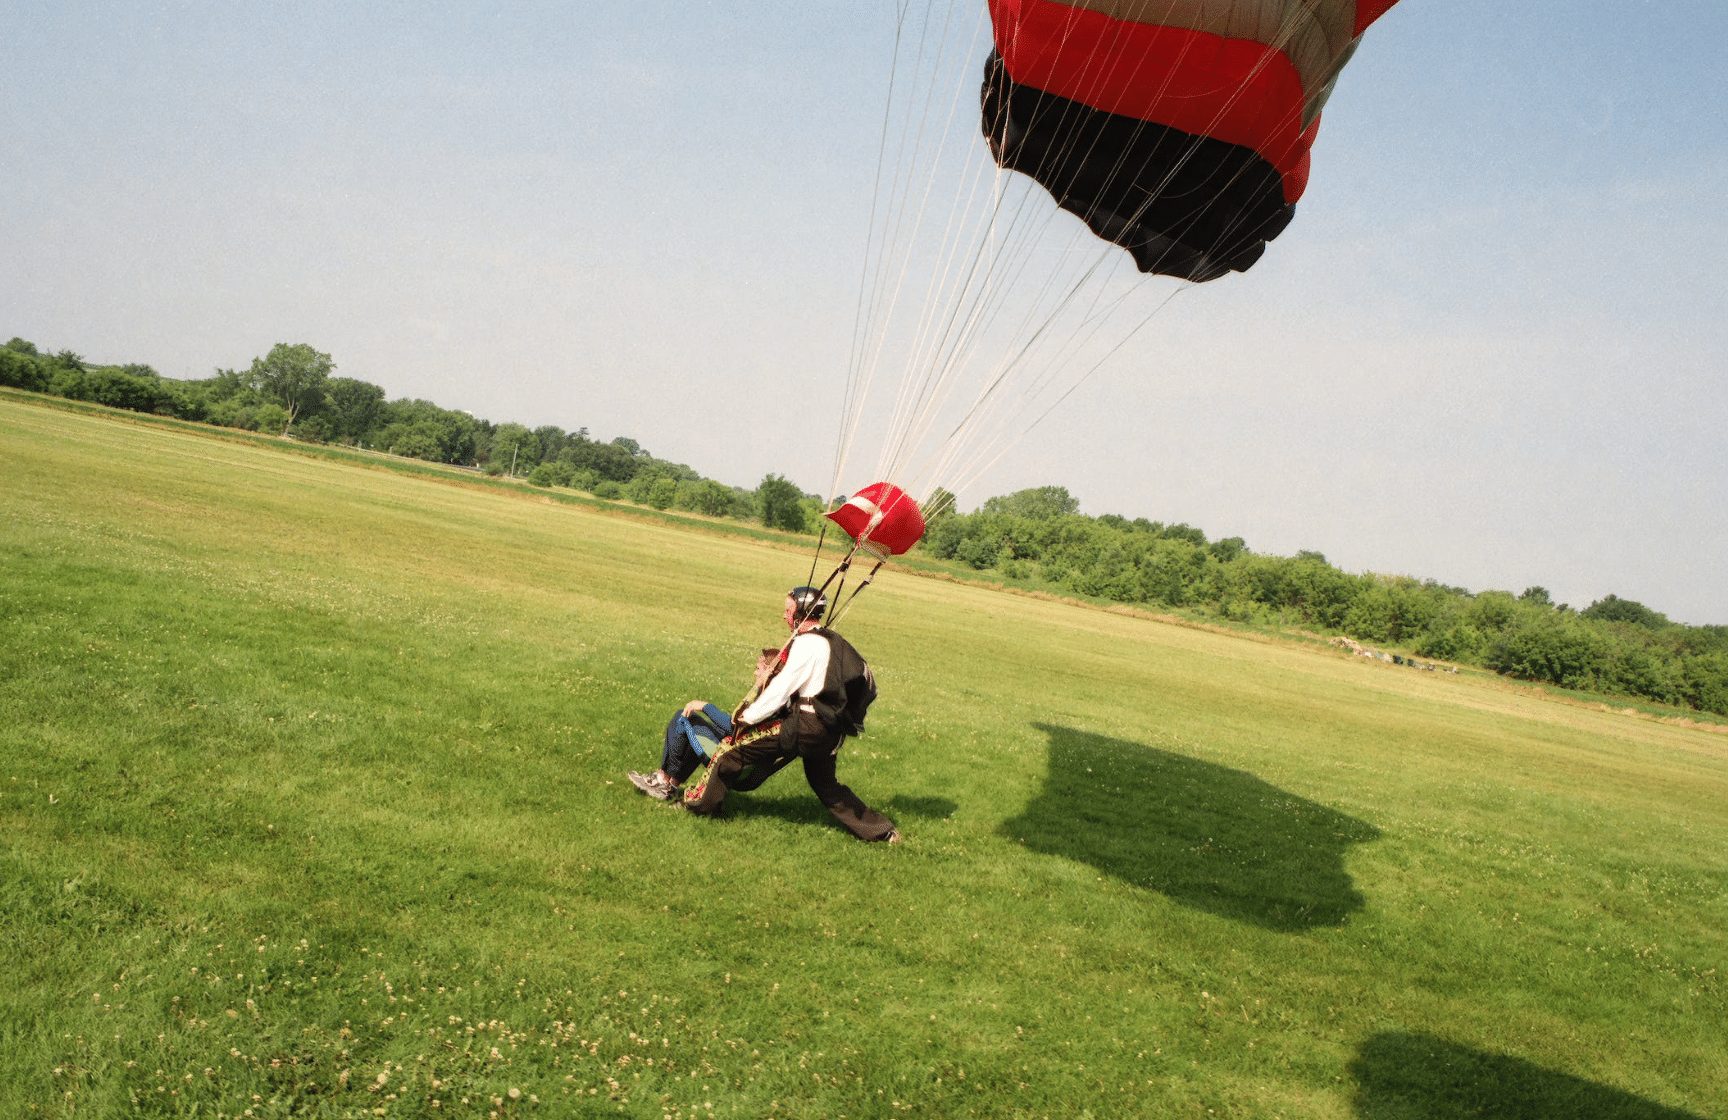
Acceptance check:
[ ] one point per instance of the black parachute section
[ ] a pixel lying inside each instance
(1183, 205)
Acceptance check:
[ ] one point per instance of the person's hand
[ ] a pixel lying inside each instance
(693, 707)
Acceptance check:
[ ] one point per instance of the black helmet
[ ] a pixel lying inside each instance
(809, 602)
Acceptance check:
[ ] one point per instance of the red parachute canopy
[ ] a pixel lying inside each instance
(1178, 129)
(882, 518)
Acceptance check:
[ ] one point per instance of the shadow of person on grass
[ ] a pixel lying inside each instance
(805, 809)
(1403, 1076)
(1207, 836)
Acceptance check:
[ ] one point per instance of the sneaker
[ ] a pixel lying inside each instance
(654, 786)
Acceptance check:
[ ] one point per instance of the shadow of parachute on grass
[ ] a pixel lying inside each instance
(1206, 836)
(1403, 1076)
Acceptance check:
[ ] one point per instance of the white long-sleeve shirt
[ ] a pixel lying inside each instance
(805, 672)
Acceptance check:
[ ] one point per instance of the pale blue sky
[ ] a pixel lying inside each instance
(1488, 351)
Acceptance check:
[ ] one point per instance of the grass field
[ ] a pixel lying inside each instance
(311, 789)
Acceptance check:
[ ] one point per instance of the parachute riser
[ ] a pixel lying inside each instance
(837, 580)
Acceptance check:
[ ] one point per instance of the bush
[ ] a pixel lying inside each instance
(270, 417)
(233, 412)
(415, 442)
(1704, 682)
(609, 490)
(942, 540)
(316, 429)
(22, 371)
(782, 504)
(1557, 649)
(662, 492)
(550, 474)
(1456, 641)
(979, 552)
(705, 497)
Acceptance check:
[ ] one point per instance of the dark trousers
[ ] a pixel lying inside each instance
(746, 767)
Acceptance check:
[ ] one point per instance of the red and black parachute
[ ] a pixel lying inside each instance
(1178, 129)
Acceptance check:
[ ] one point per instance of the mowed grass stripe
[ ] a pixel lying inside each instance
(340, 751)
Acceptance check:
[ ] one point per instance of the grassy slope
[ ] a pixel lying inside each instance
(311, 776)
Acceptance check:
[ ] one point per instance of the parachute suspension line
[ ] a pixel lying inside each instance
(1032, 330)
(925, 197)
(974, 305)
(916, 396)
(1003, 446)
(1053, 346)
(912, 389)
(838, 611)
(940, 355)
(838, 590)
(938, 341)
(855, 397)
(890, 226)
(1088, 328)
(1285, 32)
(922, 372)
(814, 560)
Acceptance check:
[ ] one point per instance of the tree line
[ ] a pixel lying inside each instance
(1035, 538)
(294, 391)
(1039, 538)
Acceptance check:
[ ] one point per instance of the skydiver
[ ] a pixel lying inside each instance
(782, 723)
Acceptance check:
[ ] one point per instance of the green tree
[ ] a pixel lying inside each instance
(782, 504)
(21, 370)
(979, 552)
(353, 407)
(270, 417)
(118, 389)
(515, 449)
(1229, 548)
(1493, 611)
(417, 441)
(663, 492)
(550, 474)
(1615, 609)
(292, 375)
(457, 435)
(706, 497)
(1040, 503)
(1559, 649)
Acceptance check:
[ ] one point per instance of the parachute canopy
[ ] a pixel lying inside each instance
(1178, 129)
(882, 518)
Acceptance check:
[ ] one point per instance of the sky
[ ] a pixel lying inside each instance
(1488, 351)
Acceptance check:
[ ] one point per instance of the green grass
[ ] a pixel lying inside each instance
(312, 803)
